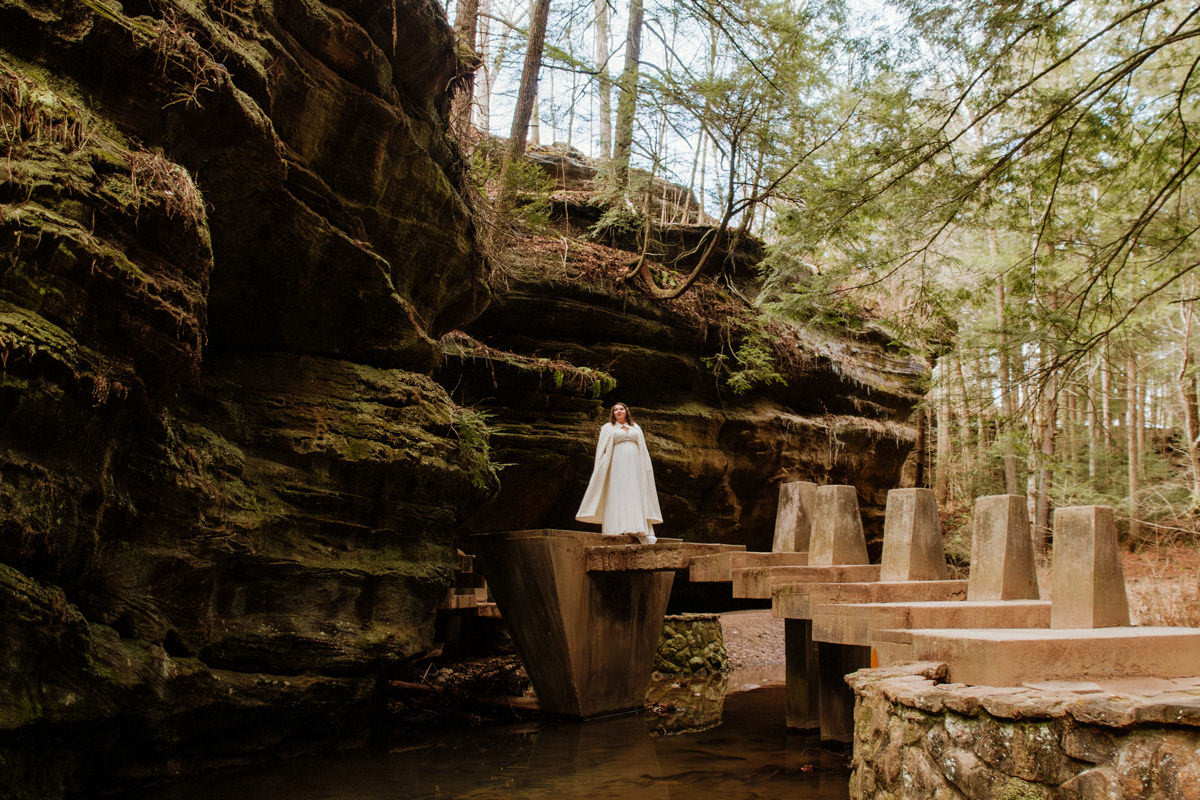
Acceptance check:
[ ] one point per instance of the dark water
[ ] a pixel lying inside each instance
(745, 752)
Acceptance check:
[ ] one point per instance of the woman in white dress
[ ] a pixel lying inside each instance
(621, 495)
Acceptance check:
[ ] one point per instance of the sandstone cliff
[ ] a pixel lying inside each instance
(542, 359)
(233, 233)
(238, 251)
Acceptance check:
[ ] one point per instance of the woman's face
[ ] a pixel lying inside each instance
(619, 413)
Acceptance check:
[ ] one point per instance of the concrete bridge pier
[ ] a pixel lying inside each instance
(817, 694)
(585, 611)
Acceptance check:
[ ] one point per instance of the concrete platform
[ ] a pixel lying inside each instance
(656, 557)
(861, 623)
(718, 567)
(1010, 657)
(797, 600)
(587, 638)
(757, 582)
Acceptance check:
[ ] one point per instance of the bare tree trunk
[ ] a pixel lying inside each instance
(1070, 426)
(1094, 441)
(466, 24)
(1141, 425)
(1047, 436)
(941, 464)
(966, 485)
(1008, 407)
(1190, 405)
(535, 122)
(484, 101)
(527, 95)
(919, 477)
(627, 99)
(1135, 525)
(1107, 480)
(604, 82)
(691, 186)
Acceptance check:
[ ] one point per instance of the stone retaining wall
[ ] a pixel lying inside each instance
(916, 736)
(690, 644)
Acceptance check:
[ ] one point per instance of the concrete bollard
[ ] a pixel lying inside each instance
(1002, 566)
(1089, 585)
(837, 531)
(912, 538)
(793, 520)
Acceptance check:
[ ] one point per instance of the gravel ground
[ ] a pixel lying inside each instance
(753, 639)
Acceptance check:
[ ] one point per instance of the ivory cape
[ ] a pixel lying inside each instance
(594, 499)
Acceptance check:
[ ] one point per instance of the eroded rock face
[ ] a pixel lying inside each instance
(232, 234)
(841, 418)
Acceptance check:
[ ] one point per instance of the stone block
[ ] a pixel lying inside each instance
(837, 531)
(912, 538)
(613, 554)
(863, 623)
(1012, 657)
(793, 519)
(1094, 784)
(1089, 587)
(1002, 566)
(1089, 744)
(718, 567)
(758, 582)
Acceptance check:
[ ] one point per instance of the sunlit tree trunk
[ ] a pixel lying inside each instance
(526, 95)
(466, 24)
(627, 99)
(483, 99)
(603, 82)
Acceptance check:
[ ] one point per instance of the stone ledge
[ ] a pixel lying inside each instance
(651, 557)
(916, 736)
(1111, 704)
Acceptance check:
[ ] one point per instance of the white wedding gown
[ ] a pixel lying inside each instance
(623, 509)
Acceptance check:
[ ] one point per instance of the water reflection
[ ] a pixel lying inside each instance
(748, 754)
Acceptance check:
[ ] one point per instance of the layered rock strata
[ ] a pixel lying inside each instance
(233, 233)
(842, 417)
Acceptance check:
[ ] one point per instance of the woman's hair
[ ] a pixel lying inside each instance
(612, 415)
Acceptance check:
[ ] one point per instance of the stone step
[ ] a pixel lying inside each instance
(801, 602)
(864, 623)
(757, 582)
(718, 567)
(658, 557)
(1012, 657)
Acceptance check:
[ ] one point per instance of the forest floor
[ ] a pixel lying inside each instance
(753, 639)
(1163, 584)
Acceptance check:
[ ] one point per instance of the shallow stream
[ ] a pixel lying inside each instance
(731, 745)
